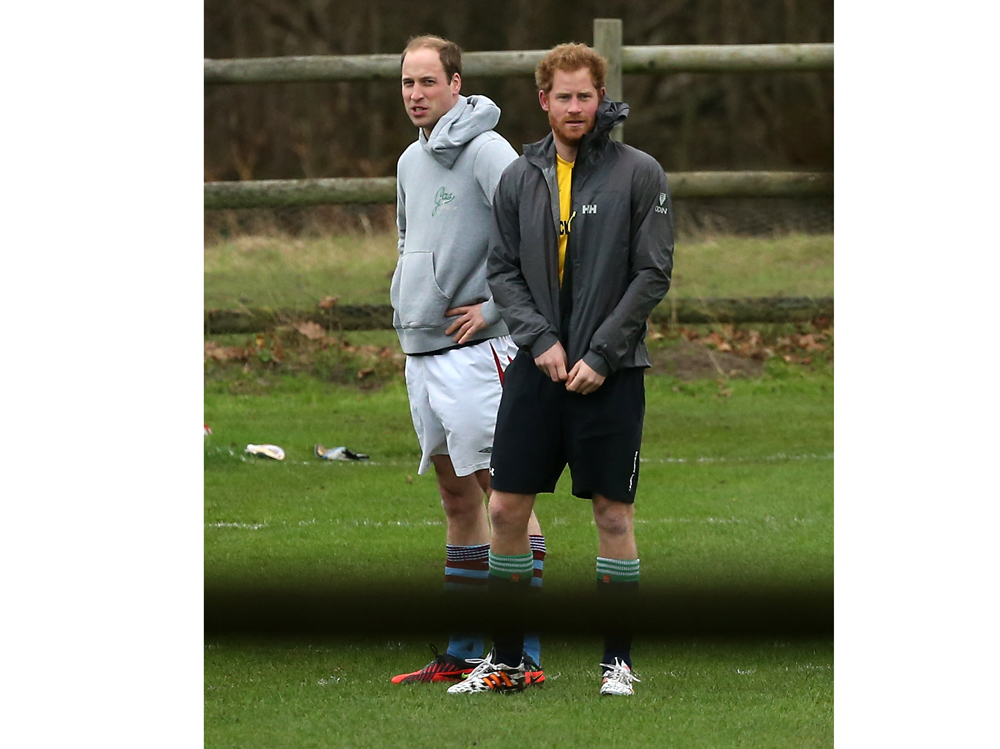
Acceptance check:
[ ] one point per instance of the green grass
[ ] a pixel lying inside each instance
(736, 490)
(792, 265)
(286, 272)
(692, 695)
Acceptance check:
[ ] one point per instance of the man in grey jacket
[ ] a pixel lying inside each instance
(581, 253)
(457, 347)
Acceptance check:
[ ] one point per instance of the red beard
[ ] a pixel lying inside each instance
(569, 135)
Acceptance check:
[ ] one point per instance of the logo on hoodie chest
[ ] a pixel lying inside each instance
(442, 198)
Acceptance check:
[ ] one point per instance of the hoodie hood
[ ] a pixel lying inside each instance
(471, 116)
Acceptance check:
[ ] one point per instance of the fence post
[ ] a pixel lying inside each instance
(608, 43)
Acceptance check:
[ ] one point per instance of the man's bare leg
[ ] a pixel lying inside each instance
(462, 499)
(510, 515)
(615, 528)
(468, 538)
(483, 477)
(511, 567)
(618, 579)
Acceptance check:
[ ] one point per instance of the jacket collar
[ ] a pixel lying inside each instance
(609, 113)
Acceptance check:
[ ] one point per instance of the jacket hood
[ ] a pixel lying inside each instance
(471, 116)
(609, 114)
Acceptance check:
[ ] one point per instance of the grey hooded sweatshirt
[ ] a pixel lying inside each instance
(444, 199)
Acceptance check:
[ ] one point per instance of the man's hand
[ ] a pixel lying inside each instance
(553, 362)
(469, 322)
(583, 380)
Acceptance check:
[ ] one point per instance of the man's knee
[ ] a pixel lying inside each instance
(459, 505)
(510, 511)
(613, 519)
(460, 495)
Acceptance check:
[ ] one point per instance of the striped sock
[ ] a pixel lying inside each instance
(617, 570)
(508, 638)
(617, 578)
(516, 568)
(466, 570)
(538, 558)
(532, 643)
(467, 566)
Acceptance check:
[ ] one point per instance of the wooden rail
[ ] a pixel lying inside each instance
(290, 193)
(683, 310)
(692, 58)
(726, 58)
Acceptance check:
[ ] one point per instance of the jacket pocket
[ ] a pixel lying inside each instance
(416, 295)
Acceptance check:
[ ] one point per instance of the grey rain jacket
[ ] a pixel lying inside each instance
(619, 255)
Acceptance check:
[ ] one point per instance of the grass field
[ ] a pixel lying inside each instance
(736, 489)
(733, 489)
(283, 272)
(692, 695)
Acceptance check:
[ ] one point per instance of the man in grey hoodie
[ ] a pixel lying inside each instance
(457, 347)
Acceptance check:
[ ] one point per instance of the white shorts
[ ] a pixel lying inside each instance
(454, 397)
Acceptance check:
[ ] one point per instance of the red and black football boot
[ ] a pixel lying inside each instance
(444, 667)
(533, 674)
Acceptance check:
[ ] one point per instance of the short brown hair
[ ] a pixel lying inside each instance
(449, 52)
(569, 58)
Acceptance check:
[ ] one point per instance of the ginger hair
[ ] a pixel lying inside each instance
(569, 58)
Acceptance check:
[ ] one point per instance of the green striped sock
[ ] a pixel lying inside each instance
(516, 568)
(613, 570)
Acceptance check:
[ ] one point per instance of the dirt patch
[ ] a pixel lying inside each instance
(693, 360)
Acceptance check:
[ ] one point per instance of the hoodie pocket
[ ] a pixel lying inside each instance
(420, 301)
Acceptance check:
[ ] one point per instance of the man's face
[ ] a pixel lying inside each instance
(571, 104)
(427, 92)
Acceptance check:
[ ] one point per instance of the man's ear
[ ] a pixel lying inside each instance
(600, 94)
(456, 84)
(543, 100)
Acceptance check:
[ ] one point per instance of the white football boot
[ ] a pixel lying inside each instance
(491, 677)
(618, 679)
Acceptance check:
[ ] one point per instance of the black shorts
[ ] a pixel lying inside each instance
(541, 427)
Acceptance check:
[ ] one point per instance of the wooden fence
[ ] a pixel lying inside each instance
(622, 60)
(673, 311)
(730, 58)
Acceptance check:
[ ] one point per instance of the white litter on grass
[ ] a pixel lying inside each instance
(242, 526)
(747, 672)
(337, 453)
(331, 680)
(267, 451)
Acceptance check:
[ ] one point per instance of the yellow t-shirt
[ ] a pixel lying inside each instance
(564, 177)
